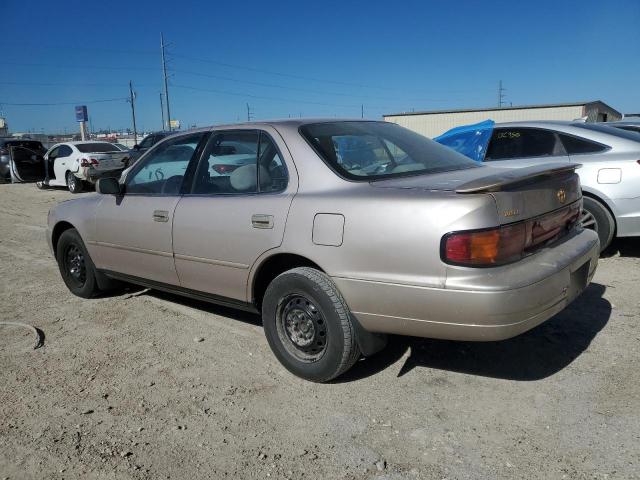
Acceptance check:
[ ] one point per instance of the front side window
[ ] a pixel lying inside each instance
(163, 169)
(230, 162)
(509, 143)
(376, 150)
(54, 153)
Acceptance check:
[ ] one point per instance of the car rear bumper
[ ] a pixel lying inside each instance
(94, 175)
(475, 312)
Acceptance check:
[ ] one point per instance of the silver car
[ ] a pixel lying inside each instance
(610, 171)
(338, 233)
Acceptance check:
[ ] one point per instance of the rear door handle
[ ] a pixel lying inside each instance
(262, 221)
(161, 215)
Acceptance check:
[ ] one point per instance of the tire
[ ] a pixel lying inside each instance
(74, 184)
(595, 216)
(308, 326)
(75, 264)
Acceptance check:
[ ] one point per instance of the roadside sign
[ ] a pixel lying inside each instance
(174, 123)
(81, 113)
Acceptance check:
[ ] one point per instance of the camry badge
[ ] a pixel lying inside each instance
(562, 195)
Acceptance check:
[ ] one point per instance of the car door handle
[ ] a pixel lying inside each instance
(262, 221)
(161, 215)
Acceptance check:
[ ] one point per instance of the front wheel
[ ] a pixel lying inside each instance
(597, 217)
(75, 264)
(308, 325)
(74, 183)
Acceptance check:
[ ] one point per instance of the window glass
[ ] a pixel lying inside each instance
(54, 152)
(371, 150)
(229, 164)
(575, 145)
(31, 145)
(147, 141)
(273, 171)
(630, 128)
(164, 168)
(64, 151)
(96, 147)
(508, 143)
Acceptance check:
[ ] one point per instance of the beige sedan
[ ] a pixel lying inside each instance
(338, 233)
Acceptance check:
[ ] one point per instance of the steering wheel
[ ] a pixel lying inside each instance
(172, 185)
(159, 174)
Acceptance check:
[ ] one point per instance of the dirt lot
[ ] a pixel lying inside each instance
(121, 388)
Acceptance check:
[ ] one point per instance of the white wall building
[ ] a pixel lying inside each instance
(434, 123)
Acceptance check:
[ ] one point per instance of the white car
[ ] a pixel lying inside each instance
(72, 164)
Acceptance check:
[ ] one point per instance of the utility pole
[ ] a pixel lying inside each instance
(249, 113)
(132, 100)
(501, 94)
(362, 110)
(162, 111)
(164, 74)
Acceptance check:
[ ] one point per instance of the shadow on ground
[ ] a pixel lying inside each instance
(534, 355)
(626, 247)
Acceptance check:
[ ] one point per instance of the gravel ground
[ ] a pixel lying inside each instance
(148, 385)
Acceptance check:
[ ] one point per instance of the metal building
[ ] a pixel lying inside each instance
(434, 123)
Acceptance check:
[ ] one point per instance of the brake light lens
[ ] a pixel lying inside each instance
(88, 162)
(224, 168)
(508, 243)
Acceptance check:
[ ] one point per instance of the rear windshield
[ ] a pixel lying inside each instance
(618, 132)
(374, 150)
(96, 148)
(31, 145)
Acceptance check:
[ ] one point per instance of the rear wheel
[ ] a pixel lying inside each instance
(597, 217)
(75, 264)
(73, 183)
(308, 325)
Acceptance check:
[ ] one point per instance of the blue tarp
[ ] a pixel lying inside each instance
(469, 140)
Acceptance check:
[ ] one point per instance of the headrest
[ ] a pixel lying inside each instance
(243, 179)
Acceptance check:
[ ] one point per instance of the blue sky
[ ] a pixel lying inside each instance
(324, 58)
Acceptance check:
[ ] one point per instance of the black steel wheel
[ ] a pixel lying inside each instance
(75, 264)
(308, 325)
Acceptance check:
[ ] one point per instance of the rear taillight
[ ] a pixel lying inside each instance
(88, 162)
(500, 245)
(224, 168)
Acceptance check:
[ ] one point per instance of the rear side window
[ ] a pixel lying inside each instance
(64, 151)
(508, 143)
(240, 161)
(576, 146)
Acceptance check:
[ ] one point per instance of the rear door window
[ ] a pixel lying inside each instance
(510, 143)
(64, 151)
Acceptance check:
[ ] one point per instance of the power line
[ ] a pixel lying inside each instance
(79, 102)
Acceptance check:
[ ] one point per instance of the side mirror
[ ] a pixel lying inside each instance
(136, 147)
(108, 186)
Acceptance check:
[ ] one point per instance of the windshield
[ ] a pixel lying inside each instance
(618, 132)
(96, 147)
(373, 150)
(31, 145)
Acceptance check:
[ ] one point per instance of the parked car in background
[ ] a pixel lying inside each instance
(75, 164)
(415, 239)
(629, 125)
(609, 175)
(146, 143)
(121, 147)
(21, 160)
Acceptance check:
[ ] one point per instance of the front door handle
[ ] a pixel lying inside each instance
(262, 221)
(161, 215)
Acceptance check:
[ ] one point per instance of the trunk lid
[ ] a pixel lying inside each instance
(107, 161)
(519, 194)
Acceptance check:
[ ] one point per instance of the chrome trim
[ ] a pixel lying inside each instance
(211, 261)
(131, 249)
